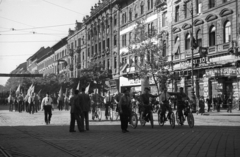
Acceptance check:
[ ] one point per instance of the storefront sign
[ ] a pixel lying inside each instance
(200, 62)
(229, 71)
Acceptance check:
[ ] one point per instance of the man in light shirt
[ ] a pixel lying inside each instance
(47, 106)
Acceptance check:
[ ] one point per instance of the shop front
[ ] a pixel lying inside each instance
(135, 85)
(222, 81)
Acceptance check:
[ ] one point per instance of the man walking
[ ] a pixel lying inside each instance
(124, 109)
(47, 106)
(84, 101)
(75, 112)
(229, 103)
(31, 102)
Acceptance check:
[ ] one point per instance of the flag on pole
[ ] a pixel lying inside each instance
(10, 93)
(18, 90)
(60, 92)
(94, 82)
(29, 90)
(32, 90)
(87, 89)
(39, 92)
(78, 87)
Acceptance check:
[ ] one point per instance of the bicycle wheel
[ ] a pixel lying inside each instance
(111, 115)
(190, 120)
(160, 119)
(134, 120)
(116, 115)
(177, 118)
(172, 120)
(151, 119)
(99, 115)
(142, 121)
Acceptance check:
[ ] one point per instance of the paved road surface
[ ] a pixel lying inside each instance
(22, 134)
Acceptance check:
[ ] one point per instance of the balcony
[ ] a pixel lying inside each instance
(160, 3)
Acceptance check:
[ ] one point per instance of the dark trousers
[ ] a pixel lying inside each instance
(229, 108)
(84, 117)
(75, 117)
(209, 107)
(31, 108)
(124, 117)
(10, 106)
(60, 105)
(20, 106)
(218, 107)
(48, 113)
(106, 109)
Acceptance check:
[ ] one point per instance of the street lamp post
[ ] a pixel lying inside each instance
(192, 52)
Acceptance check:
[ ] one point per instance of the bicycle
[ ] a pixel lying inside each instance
(98, 113)
(149, 114)
(134, 118)
(170, 117)
(188, 114)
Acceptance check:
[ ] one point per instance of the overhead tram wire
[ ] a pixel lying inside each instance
(13, 29)
(26, 24)
(25, 41)
(64, 7)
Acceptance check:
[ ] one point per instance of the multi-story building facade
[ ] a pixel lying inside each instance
(216, 27)
(45, 64)
(61, 57)
(146, 12)
(102, 28)
(32, 61)
(76, 45)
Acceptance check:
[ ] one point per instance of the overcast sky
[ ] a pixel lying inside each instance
(18, 37)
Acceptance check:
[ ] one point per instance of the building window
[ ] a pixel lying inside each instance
(151, 4)
(88, 52)
(177, 13)
(199, 6)
(142, 8)
(108, 43)
(187, 41)
(199, 38)
(115, 20)
(130, 37)
(79, 41)
(103, 45)
(211, 3)
(99, 46)
(148, 56)
(96, 48)
(108, 64)
(186, 11)
(164, 19)
(135, 10)
(92, 50)
(115, 62)
(212, 33)
(227, 32)
(124, 18)
(130, 15)
(115, 40)
(164, 48)
(148, 4)
(104, 64)
(124, 40)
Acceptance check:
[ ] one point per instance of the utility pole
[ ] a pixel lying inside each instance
(192, 54)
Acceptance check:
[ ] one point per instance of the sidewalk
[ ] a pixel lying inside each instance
(223, 112)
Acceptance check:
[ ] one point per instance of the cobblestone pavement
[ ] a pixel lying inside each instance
(22, 134)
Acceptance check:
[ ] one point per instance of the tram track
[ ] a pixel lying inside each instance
(4, 152)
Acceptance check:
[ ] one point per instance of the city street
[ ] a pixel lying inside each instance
(23, 134)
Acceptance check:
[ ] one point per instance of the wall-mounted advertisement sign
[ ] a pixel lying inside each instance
(228, 71)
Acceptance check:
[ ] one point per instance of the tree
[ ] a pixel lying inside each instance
(96, 75)
(149, 54)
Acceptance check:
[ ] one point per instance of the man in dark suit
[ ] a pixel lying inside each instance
(84, 101)
(75, 112)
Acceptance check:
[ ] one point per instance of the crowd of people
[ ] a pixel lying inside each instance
(80, 104)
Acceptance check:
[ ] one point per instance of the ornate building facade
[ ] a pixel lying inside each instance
(216, 30)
